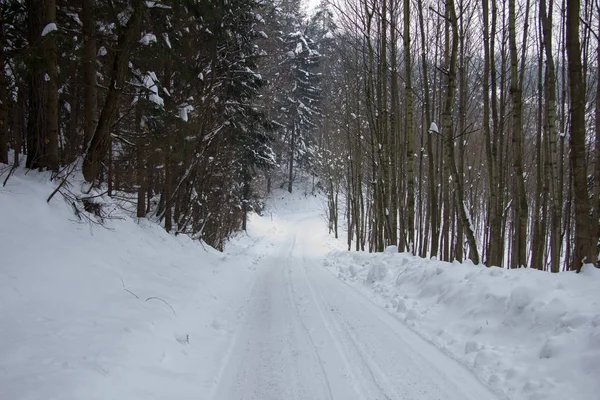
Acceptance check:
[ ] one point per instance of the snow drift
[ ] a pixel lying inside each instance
(527, 334)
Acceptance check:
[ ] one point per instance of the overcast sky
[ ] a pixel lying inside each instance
(311, 4)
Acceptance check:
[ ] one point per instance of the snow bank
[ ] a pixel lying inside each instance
(124, 311)
(526, 334)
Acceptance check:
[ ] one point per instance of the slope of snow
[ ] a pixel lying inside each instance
(526, 334)
(124, 311)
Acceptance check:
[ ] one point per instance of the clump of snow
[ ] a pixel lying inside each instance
(149, 80)
(166, 38)
(527, 334)
(184, 109)
(156, 4)
(147, 39)
(433, 128)
(51, 27)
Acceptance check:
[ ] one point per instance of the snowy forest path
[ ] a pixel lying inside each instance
(307, 335)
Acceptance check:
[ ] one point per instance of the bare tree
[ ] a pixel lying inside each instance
(583, 251)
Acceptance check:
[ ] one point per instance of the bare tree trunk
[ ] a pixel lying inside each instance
(410, 204)
(596, 204)
(493, 241)
(447, 130)
(3, 98)
(292, 151)
(168, 160)
(71, 147)
(451, 165)
(100, 142)
(19, 126)
(583, 247)
(51, 138)
(3, 118)
(462, 128)
(36, 120)
(394, 135)
(550, 134)
(520, 238)
(537, 241)
(90, 91)
(141, 174)
(432, 198)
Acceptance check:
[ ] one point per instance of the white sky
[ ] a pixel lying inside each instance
(311, 4)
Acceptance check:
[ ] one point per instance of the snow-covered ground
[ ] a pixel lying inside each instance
(124, 311)
(524, 333)
(127, 311)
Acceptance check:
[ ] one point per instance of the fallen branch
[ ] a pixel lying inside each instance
(10, 172)
(129, 291)
(158, 298)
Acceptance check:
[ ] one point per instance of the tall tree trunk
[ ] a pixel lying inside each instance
(546, 15)
(394, 126)
(141, 173)
(450, 159)
(432, 198)
(520, 239)
(3, 98)
(36, 120)
(170, 166)
(583, 245)
(292, 151)
(71, 147)
(538, 240)
(51, 138)
(596, 205)
(462, 128)
(408, 99)
(493, 241)
(100, 141)
(19, 132)
(90, 91)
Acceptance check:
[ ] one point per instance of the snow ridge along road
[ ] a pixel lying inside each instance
(307, 335)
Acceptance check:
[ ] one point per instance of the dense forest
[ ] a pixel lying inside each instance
(457, 129)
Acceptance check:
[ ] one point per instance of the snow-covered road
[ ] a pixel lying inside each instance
(307, 335)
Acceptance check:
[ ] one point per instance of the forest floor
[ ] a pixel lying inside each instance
(126, 311)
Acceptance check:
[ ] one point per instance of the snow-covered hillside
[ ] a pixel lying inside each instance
(124, 311)
(526, 334)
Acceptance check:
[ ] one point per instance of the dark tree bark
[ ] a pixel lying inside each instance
(432, 211)
(550, 134)
(36, 120)
(100, 141)
(582, 252)
(3, 99)
(519, 258)
(141, 173)
(465, 219)
(51, 138)
(292, 151)
(410, 202)
(596, 204)
(90, 91)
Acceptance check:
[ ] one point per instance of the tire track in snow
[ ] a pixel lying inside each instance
(349, 345)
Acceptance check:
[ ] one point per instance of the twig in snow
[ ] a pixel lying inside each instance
(398, 277)
(13, 168)
(158, 298)
(129, 291)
